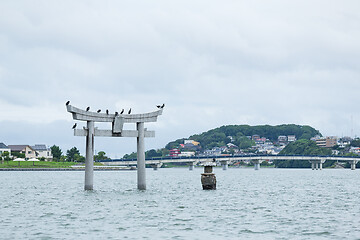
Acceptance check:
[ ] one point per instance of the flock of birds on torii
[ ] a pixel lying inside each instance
(107, 111)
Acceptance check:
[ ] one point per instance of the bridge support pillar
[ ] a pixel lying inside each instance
(256, 164)
(224, 164)
(89, 159)
(191, 166)
(316, 164)
(353, 165)
(156, 166)
(141, 177)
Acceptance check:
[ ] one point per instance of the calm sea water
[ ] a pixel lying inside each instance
(248, 204)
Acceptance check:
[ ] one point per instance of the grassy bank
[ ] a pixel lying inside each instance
(41, 164)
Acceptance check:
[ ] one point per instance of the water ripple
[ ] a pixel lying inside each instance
(248, 204)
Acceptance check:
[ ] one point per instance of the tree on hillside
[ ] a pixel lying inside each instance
(133, 155)
(212, 138)
(244, 142)
(174, 144)
(101, 156)
(153, 153)
(70, 154)
(56, 152)
(355, 143)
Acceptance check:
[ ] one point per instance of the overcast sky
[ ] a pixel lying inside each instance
(212, 63)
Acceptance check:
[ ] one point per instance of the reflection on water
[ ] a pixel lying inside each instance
(248, 204)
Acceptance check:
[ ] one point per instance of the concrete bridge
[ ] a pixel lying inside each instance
(316, 161)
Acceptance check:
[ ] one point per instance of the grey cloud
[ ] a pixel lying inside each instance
(234, 62)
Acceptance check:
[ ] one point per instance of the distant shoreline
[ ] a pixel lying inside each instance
(63, 169)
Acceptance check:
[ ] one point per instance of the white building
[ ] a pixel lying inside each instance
(231, 145)
(216, 151)
(186, 154)
(291, 138)
(42, 151)
(282, 139)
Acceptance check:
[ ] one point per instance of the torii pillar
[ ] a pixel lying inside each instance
(117, 131)
(89, 157)
(141, 173)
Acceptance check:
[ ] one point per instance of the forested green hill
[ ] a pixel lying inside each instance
(219, 136)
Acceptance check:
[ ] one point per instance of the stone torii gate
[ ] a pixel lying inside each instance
(117, 121)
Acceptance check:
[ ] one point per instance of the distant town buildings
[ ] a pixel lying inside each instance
(26, 149)
(216, 151)
(344, 142)
(174, 152)
(190, 145)
(326, 142)
(255, 137)
(37, 151)
(261, 145)
(355, 150)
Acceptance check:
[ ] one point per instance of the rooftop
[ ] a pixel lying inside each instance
(39, 147)
(2, 145)
(17, 148)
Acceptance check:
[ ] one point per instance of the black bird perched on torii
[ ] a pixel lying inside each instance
(87, 109)
(74, 126)
(161, 106)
